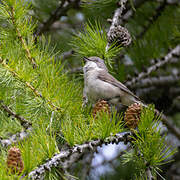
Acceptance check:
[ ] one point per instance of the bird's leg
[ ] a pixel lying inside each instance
(85, 101)
(85, 98)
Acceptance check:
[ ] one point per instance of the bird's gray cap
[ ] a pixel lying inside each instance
(97, 60)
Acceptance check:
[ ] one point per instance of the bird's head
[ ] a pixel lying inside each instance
(94, 63)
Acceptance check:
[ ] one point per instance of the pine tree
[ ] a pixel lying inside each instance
(42, 44)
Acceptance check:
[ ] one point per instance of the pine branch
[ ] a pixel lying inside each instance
(73, 158)
(78, 149)
(118, 14)
(36, 93)
(116, 19)
(15, 138)
(31, 59)
(60, 11)
(18, 136)
(25, 123)
(169, 58)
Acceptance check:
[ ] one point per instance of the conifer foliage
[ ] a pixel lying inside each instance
(45, 133)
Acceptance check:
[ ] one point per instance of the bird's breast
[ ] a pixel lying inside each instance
(98, 89)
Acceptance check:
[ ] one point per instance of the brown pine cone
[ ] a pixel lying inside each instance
(101, 106)
(14, 161)
(120, 35)
(132, 115)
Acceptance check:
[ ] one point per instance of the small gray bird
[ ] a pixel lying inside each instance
(99, 84)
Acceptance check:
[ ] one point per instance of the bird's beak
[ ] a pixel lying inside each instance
(86, 59)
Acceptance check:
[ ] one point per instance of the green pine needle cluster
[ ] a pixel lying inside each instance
(150, 149)
(42, 94)
(91, 128)
(93, 42)
(39, 146)
(35, 87)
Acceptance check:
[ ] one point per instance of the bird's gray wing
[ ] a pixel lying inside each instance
(106, 77)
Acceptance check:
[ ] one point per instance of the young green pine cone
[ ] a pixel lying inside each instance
(120, 35)
(14, 161)
(132, 115)
(101, 106)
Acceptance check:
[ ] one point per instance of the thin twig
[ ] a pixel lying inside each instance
(118, 14)
(15, 138)
(37, 93)
(24, 44)
(25, 123)
(58, 159)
